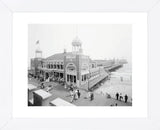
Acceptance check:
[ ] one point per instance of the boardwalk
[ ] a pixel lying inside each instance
(99, 99)
(94, 81)
(113, 67)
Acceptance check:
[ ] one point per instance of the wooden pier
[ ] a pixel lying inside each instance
(113, 67)
(92, 84)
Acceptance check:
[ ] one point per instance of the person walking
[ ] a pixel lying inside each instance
(117, 96)
(126, 98)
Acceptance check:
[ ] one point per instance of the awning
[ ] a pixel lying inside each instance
(60, 102)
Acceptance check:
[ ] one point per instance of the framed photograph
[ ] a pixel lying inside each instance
(79, 68)
(79, 62)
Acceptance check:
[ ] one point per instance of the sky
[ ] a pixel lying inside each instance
(99, 41)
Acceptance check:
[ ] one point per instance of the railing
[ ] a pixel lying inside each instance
(113, 67)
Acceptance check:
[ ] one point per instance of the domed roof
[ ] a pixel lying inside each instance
(38, 49)
(76, 41)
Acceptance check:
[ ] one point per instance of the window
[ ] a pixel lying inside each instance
(54, 66)
(71, 78)
(82, 77)
(67, 77)
(92, 65)
(74, 79)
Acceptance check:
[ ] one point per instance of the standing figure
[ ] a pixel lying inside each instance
(71, 87)
(89, 94)
(117, 96)
(42, 85)
(78, 93)
(126, 98)
(72, 96)
(121, 79)
(91, 97)
(120, 98)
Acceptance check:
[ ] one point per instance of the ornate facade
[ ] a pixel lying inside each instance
(70, 67)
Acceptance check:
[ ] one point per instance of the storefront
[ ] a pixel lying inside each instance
(71, 73)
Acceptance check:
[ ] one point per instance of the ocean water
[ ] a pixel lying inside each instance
(120, 81)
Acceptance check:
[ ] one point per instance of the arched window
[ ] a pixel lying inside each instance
(61, 66)
(71, 67)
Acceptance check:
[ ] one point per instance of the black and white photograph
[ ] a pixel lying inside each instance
(80, 65)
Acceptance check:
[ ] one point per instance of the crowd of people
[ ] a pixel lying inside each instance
(121, 98)
(74, 93)
(40, 78)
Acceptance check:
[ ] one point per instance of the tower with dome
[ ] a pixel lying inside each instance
(72, 67)
(38, 52)
(77, 45)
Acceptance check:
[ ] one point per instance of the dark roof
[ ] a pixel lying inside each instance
(58, 56)
(99, 60)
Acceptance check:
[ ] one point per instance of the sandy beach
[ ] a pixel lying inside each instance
(120, 81)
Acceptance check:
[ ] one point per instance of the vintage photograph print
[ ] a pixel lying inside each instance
(80, 65)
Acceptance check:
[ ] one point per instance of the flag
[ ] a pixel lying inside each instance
(37, 42)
